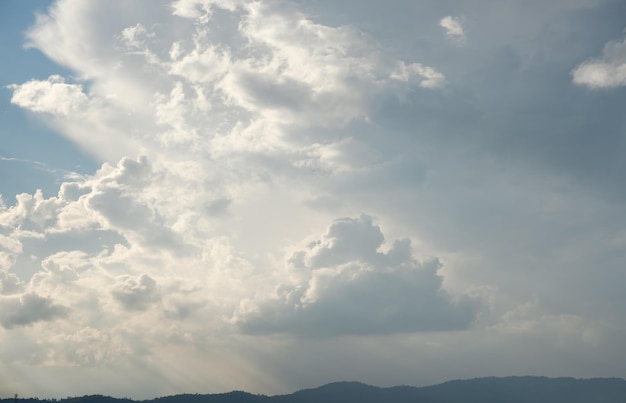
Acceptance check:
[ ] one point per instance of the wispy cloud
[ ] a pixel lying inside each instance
(58, 173)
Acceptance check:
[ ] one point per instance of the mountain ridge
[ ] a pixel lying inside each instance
(513, 389)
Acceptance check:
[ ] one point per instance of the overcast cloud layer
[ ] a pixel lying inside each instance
(296, 192)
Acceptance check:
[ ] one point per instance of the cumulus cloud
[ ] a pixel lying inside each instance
(121, 198)
(29, 212)
(135, 293)
(9, 283)
(279, 69)
(305, 73)
(132, 238)
(29, 308)
(10, 245)
(241, 112)
(52, 96)
(344, 284)
(608, 71)
(453, 27)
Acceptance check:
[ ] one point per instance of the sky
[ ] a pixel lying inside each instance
(201, 196)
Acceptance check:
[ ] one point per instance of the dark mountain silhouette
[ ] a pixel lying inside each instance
(231, 397)
(484, 390)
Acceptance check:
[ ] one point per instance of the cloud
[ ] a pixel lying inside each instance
(279, 68)
(68, 106)
(30, 211)
(9, 283)
(52, 96)
(308, 74)
(608, 71)
(201, 9)
(28, 309)
(135, 293)
(134, 36)
(10, 245)
(453, 27)
(228, 131)
(346, 285)
(430, 78)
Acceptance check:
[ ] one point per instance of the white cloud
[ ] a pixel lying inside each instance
(453, 27)
(608, 71)
(343, 284)
(258, 123)
(10, 245)
(131, 239)
(279, 67)
(30, 211)
(309, 74)
(50, 96)
(431, 78)
(135, 36)
(135, 293)
(201, 9)
(85, 118)
(9, 282)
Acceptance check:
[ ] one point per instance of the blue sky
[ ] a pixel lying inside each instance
(208, 195)
(34, 155)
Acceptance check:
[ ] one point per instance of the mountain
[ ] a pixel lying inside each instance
(528, 389)
(481, 390)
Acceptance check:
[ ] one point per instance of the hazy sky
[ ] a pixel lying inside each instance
(208, 195)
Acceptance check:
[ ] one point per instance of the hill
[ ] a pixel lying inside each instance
(483, 390)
